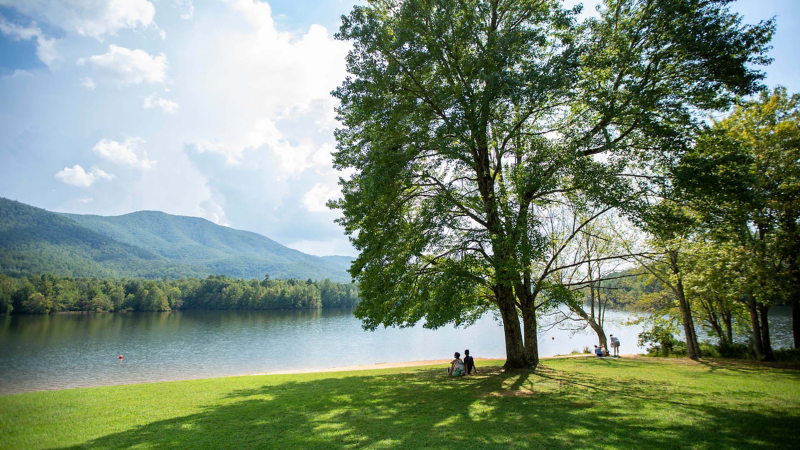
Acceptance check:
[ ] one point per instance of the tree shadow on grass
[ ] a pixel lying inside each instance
(790, 368)
(516, 409)
(747, 366)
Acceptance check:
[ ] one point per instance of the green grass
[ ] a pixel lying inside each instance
(567, 403)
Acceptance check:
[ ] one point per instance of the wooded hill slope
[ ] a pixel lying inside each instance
(146, 244)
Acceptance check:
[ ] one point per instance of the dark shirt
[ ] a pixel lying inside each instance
(469, 363)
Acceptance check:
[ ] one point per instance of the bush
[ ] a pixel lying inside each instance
(709, 350)
(735, 350)
(661, 338)
(787, 354)
(679, 348)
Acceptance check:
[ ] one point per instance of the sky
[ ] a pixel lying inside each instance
(218, 109)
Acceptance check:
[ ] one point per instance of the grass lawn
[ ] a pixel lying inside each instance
(567, 403)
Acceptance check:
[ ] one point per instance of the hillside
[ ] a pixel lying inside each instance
(33, 240)
(223, 250)
(147, 244)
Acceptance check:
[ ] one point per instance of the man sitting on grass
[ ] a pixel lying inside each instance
(470, 363)
(456, 368)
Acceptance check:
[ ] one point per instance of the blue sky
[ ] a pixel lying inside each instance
(211, 108)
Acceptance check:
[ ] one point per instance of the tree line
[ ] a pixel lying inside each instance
(47, 293)
(725, 234)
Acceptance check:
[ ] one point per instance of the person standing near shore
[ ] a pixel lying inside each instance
(615, 344)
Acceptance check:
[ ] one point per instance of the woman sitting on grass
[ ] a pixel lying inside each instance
(456, 368)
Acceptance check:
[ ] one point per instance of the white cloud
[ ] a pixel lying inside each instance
(168, 106)
(45, 47)
(272, 123)
(209, 209)
(128, 153)
(256, 77)
(263, 134)
(18, 73)
(185, 7)
(94, 18)
(76, 176)
(86, 200)
(128, 66)
(323, 157)
(88, 83)
(315, 198)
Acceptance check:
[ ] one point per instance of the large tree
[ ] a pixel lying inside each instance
(461, 118)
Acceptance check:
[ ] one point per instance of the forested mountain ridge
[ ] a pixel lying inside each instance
(146, 244)
(33, 240)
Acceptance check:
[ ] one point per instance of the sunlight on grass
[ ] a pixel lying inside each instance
(568, 403)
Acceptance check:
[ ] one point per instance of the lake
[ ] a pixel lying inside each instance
(76, 350)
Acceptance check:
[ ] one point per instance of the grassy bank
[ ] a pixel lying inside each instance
(568, 403)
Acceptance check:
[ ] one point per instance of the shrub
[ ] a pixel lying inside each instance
(787, 354)
(709, 350)
(679, 348)
(661, 337)
(735, 350)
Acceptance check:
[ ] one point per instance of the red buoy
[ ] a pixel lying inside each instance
(553, 338)
(120, 356)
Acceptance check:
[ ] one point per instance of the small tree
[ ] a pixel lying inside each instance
(715, 281)
(590, 264)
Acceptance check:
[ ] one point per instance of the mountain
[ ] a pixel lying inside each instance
(147, 244)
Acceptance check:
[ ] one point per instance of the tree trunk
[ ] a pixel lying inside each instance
(515, 350)
(601, 334)
(712, 319)
(692, 347)
(751, 306)
(765, 342)
(796, 321)
(529, 323)
(794, 275)
(728, 321)
(717, 329)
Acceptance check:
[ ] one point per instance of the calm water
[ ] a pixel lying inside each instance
(65, 351)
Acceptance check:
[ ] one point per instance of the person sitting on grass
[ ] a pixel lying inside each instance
(456, 368)
(598, 351)
(470, 363)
